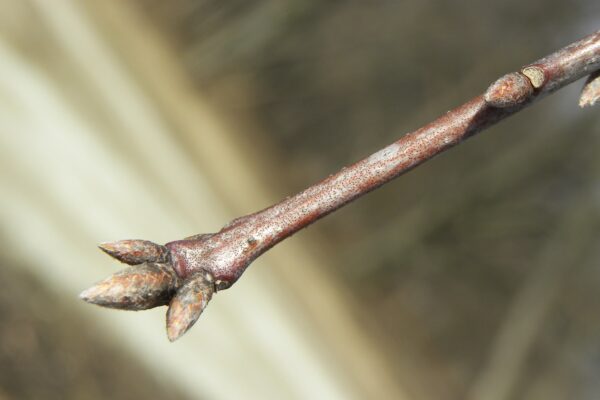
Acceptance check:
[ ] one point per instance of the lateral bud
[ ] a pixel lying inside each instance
(510, 90)
(134, 252)
(135, 288)
(188, 303)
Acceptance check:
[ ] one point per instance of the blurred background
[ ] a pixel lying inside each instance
(475, 276)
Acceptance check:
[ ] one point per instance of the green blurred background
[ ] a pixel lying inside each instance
(475, 276)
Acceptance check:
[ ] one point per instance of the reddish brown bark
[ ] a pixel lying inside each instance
(224, 256)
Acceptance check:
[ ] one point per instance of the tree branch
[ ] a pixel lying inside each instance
(201, 265)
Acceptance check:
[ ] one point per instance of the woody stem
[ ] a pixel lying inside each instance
(227, 253)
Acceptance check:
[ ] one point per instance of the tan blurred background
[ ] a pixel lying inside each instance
(476, 276)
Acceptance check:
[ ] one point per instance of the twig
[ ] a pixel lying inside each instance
(206, 263)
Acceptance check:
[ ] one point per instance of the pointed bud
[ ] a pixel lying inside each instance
(590, 93)
(508, 91)
(135, 288)
(134, 252)
(188, 303)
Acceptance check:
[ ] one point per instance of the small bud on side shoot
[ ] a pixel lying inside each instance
(590, 93)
